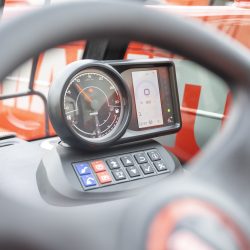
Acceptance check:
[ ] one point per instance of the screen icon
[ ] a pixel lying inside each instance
(146, 92)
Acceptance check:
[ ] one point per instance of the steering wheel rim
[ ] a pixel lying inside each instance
(50, 26)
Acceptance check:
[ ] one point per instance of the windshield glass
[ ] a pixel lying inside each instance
(204, 100)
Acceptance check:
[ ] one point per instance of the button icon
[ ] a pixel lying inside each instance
(88, 180)
(140, 158)
(119, 174)
(82, 168)
(154, 155)
(147, 168)
(161, 166)
(133, 172)
(127, 161)
(98, 166)
(113, 163)
(104, 177)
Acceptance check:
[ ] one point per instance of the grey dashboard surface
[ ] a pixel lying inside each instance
(19, 163)
(18, 187)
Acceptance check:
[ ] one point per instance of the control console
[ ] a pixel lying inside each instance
(120, 168)
(105, 113)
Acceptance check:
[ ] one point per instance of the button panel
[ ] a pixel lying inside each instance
(117, 169)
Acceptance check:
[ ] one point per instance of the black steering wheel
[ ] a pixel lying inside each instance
(218, 187)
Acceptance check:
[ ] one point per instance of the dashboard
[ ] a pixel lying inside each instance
(105, 120)
(106, 114)
(95, 104)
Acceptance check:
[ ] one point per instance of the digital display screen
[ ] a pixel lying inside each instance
(147, 98)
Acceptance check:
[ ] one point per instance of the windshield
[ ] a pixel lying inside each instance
(204, 100)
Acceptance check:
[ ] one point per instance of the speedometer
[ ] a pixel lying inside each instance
(93, 104)
(89, 105)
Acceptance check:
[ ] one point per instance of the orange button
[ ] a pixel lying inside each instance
(98, 166)
(104, 177)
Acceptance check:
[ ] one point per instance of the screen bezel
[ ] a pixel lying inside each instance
(164, 89)
(146, 133)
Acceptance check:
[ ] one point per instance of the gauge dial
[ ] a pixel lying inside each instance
(93, 104)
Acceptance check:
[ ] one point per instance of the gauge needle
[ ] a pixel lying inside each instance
(83, 93)
(97, 125)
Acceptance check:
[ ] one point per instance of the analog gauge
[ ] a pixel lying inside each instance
(89, 105)
(93, 104)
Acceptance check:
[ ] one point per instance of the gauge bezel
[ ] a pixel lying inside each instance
(95, 70)
(57, 111)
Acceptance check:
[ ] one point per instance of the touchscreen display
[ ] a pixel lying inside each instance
(147, 98)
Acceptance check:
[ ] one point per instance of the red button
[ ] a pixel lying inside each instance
(104, 177)
(98, 166)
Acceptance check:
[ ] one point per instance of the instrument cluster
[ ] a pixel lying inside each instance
(95, 104)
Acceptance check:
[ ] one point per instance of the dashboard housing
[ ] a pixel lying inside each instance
(58, 183)
(83, 170)
(149, 97)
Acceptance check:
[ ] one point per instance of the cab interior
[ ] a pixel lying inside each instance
(124, 125)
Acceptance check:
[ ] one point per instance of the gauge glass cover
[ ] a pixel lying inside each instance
(93, 105)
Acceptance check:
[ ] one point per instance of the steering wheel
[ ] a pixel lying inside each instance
(214, 196)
